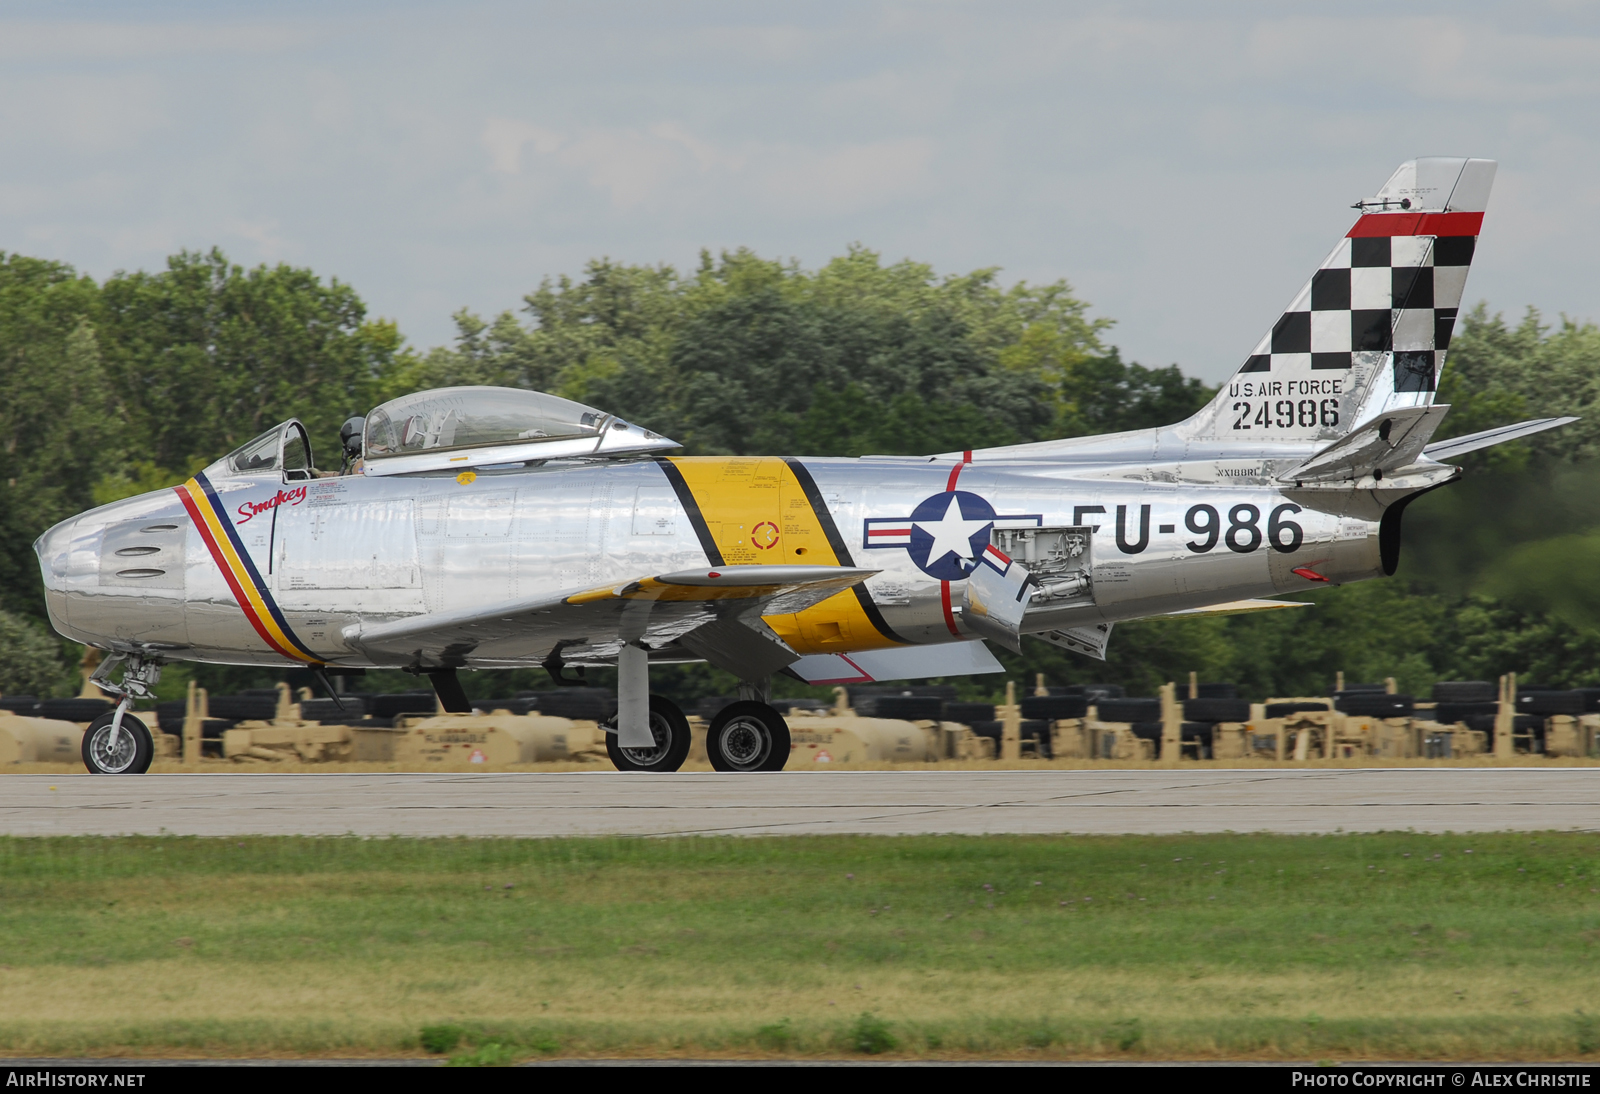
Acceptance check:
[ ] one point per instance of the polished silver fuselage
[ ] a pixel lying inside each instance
(332, 555)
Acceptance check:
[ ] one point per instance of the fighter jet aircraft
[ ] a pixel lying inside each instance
(486, 528)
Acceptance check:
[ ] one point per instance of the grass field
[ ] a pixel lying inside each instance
(1337, 947)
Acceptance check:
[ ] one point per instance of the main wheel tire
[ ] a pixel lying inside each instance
(748, 736)
(134, 749)
(671, 731)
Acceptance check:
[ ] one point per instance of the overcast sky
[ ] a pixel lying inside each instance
(1184, 171)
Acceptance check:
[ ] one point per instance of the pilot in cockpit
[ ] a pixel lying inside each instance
(350, 443)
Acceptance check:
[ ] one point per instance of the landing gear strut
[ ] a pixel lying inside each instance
(118, 743)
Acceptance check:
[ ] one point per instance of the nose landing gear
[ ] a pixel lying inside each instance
(118, 743)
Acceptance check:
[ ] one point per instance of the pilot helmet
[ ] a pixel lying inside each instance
(350, 436)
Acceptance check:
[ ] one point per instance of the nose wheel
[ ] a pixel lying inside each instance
(118, 743)
(748, 736)
(671, 732)
(129, 754)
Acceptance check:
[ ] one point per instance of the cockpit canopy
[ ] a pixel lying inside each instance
(464, 417)
(456, 428)
(486, 426)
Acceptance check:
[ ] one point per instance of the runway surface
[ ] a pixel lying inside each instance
(877, 802)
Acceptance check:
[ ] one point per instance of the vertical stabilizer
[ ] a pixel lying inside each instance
(1368, 332)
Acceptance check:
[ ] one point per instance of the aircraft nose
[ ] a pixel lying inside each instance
(116, 573)
(54, 549)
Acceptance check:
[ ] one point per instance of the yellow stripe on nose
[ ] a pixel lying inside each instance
(227, 555)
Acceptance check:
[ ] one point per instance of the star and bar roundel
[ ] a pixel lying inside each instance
(945, 533)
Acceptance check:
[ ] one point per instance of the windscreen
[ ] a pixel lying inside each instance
(260, 454)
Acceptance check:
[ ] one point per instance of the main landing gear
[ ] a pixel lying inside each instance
(650, 733)
(748, 736)
(669, 730)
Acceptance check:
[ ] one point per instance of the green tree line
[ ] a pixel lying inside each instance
(131, 383)
(751, 356)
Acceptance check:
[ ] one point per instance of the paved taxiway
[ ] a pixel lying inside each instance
(878, 802)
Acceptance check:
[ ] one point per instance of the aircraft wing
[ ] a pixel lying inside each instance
(709, 614)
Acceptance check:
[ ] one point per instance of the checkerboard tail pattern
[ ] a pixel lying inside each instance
(1370, 330)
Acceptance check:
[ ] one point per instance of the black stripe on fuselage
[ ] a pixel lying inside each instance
(692, 507)
(840, 551)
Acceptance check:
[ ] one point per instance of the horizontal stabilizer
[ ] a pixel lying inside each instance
(1389, 441)
(901, 663)
(1239, 607)
(1460, 446)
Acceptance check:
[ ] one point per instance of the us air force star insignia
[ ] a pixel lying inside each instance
(945, 533)
(952, 534)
